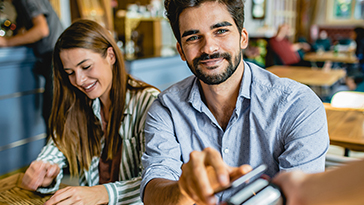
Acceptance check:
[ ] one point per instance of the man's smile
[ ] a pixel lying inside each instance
(211, 62)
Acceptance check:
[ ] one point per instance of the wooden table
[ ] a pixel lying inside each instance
(346, 127)
(12, 193)
(340, 57)
(308, 76)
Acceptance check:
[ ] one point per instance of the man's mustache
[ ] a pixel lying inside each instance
(206, 56)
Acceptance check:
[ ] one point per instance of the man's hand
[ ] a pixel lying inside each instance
(3, 42)
(39, 174)
(305, 46)
(80, 195)
(205, 174)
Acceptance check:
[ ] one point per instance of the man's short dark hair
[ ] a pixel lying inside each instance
(175, 7)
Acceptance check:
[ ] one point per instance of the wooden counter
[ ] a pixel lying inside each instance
(11, 192)
(160, 72)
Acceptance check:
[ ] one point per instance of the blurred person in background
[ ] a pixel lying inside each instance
(287, 52)
(39, 28)
(355, 82)
(347, 44)
(96, 124)
(323, 43)
(359, 51)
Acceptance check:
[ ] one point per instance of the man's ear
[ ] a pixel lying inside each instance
(180, 51)
(244, 40)
(111, 55)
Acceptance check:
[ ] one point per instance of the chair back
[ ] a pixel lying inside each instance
(348, 99)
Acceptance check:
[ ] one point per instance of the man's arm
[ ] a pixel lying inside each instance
(304, 132)
(202, 176)
(39, 30)
(164, 191)
(301, 45)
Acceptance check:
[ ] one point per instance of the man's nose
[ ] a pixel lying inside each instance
(210, 45)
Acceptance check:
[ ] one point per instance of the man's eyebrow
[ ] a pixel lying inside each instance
(218, 25)
(189, 32)
(221, 24)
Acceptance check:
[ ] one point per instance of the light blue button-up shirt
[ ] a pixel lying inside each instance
(276, 121)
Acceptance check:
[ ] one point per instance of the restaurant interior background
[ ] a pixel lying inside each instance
(145, 37)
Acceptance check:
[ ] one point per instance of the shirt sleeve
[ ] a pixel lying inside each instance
(124, 192)
(162, 158)
(50, 153)
(304, 133)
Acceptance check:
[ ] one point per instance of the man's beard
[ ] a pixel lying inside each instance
(217, 78)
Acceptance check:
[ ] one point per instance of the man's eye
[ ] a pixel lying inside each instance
(220, 31)
(193, 38)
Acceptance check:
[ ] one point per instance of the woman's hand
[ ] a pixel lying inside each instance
(80, 195)
(39, 174)
(205, 174)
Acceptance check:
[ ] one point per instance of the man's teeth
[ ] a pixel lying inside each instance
(88, 87)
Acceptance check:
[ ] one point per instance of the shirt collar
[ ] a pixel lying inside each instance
(246, 82)
(195, 96)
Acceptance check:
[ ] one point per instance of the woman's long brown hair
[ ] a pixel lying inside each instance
(75, 129)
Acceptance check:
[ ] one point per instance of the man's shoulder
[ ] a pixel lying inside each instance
(267, 82)
(177, 95)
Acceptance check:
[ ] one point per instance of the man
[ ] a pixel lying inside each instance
(206, 130)
(42, 30)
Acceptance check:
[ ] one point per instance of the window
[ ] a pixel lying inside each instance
(345, 11)
(258, 9)
(285, 11)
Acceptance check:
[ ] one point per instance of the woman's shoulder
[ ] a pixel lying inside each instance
(151, 91)
(141, 89)
(137, 101)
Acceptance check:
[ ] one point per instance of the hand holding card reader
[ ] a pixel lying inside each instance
(257, 192)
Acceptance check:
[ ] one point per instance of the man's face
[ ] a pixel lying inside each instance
(210, 42)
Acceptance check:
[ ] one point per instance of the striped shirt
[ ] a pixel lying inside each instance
(125, 191)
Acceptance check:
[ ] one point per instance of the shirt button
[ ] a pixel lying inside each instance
(226, 150)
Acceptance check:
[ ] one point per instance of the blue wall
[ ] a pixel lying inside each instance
(22, 129)
(159, 72)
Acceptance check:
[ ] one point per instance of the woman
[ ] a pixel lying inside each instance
(96, 123)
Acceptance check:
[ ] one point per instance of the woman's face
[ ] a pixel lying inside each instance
(89, 71)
